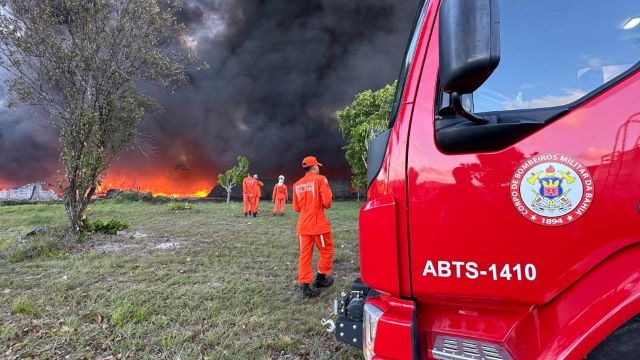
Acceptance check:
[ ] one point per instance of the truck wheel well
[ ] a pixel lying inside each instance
(624, 343)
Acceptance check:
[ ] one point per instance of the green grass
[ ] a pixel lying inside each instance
(205, 283)
(128, 312)
(37, 246)
(16, 221)
(23, 306)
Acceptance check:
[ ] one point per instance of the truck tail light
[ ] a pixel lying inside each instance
(389, 328)
(450, 348)
(371, 316)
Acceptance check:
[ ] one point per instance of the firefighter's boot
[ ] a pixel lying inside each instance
(323, 280)
(308, 292)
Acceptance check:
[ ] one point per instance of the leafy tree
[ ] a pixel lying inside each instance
(234, 176)
(87, 63)
(359, 122)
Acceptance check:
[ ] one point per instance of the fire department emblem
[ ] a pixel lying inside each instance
(552, 189)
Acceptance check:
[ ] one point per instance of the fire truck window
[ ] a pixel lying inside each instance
(408, 60)
(555, 52)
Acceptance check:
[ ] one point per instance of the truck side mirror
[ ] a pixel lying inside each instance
(469, 43)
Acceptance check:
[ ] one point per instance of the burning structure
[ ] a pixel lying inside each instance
(29, 193)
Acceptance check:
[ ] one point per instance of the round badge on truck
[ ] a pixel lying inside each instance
(552, 189)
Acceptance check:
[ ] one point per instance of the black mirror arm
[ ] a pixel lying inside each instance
(456, 101)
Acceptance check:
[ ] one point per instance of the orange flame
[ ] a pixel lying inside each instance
(175, 183)
(181, 168)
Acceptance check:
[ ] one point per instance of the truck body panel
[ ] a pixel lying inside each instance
(391, 178)
(470, 260)
(467, 198)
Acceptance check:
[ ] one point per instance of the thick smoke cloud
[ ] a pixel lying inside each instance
(27, 145)
(279, 70)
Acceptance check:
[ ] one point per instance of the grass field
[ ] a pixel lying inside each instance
(199, 283)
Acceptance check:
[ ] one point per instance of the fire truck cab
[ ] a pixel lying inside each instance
(503, 212)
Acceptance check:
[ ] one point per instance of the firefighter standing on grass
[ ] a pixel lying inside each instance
(248, 185)
(311, 195)
(257, 193)
(279, 196)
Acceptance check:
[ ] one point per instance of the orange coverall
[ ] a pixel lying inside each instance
(257, 192)
(280, 195)
(311, 195)
(248, 185)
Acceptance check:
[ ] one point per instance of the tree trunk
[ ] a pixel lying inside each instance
(228, 196)
(75, 207)
(76, 202)
(76, 219)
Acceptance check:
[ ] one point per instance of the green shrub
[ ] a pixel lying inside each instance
(137, 196)
(174, 206)
(23, 306)
(110, 227)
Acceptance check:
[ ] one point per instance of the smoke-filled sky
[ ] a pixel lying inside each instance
(279, 70)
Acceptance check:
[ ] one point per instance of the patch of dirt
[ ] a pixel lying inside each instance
(131, 240)
(113, 247)
(168, 245)
(132, 235)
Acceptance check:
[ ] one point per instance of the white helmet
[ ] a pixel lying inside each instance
(281, 177)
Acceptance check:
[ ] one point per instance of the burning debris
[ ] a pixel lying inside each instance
(34, 192)
(176, 180)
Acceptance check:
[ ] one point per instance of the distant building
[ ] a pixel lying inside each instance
(29, 193)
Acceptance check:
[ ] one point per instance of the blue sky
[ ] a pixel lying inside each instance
(555, 51)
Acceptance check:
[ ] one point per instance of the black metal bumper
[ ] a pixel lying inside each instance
(350, 310)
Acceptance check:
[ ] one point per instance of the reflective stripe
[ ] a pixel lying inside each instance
(322, 240)
(300, 240)
(300, 189)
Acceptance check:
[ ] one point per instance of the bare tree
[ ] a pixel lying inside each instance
(87, 63)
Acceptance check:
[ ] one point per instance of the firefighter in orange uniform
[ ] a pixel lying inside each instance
(248, 185)
(279, 196)
(257, 193)
(311, 195)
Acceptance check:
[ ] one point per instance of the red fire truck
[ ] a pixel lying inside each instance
(503, 213)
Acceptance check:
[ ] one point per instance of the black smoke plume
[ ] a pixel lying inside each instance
(279, 70)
